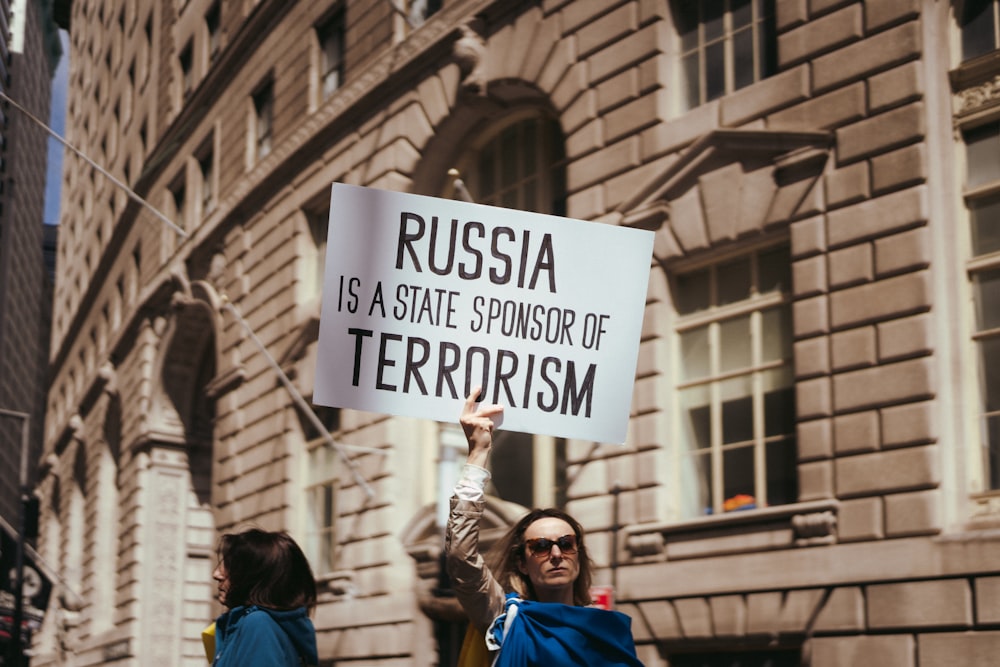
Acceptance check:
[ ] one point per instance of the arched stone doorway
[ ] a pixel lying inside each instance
(178, 542)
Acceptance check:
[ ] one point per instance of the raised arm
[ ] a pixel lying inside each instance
(477, 589)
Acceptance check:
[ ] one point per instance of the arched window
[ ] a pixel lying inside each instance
(521, 164)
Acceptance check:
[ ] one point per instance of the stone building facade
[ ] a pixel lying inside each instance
(811, 471)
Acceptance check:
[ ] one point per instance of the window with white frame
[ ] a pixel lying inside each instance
(735, 391)
(323, 464)
(724, 45)
(982, 198)
(980, 24)
(330, 38)
(263, 119)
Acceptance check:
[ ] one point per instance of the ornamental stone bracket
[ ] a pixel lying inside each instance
(338, 585)
(791, 526)
(730, 185)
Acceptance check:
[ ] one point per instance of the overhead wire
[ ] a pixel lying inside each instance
(297, 397)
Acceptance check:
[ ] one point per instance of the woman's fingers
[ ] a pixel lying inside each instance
(477, 420)
(470, 401)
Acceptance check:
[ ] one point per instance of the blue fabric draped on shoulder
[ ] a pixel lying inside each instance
(553, 635)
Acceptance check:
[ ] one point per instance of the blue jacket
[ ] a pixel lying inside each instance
(252, 636)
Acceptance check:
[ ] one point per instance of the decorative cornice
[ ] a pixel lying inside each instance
(978, 98)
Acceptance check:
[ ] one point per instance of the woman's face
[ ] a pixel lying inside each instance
(222, 576)
(551, 569)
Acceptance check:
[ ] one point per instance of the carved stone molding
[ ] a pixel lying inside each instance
(790, 526)
(975, 98)
(470, 51)
(730, 185)
(649, 544)
(815, 528)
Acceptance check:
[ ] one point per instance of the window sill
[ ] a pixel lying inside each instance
(783, 527)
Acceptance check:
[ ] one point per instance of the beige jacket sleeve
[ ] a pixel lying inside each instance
(477, 590)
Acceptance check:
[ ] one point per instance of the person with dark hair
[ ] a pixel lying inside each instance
(268, 587)
(532, 600)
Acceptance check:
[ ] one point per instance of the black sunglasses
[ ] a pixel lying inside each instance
(541, 546)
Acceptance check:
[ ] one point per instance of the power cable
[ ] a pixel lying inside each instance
(289, 386)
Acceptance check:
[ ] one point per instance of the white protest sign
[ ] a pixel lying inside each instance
(425, 298)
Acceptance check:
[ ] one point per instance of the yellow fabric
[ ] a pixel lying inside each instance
(208, 639)
(474, 652)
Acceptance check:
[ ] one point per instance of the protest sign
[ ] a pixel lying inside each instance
(425, 298)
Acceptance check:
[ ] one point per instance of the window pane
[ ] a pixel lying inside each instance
(977, 28)
(326, 557)
(774, 270)
(991, 451)
(326, 491)
(985, 225)
(509, 199)
(779, 412)
(742, 11)
(735, 349)
(734, 281)
(782, 475)
(513, 467)
(713, 17)
(487, 173)
(686, 22)
(694, 354)
(776, 343)
(697, 480)
(743, 65)
(989, 365)
(715, 71)
(737, 411)
(691, 86)
(693, 292)
(509, 144)
(983, 154)
(530, 140)
(697, 420)
(737, 479)
(767, 44)
(530, 196)
(986, 288)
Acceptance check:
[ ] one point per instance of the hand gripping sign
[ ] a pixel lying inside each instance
(425, 298)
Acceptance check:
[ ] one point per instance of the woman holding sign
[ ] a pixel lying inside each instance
(532, 601)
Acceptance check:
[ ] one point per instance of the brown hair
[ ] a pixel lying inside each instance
(266, 569)
(507, 555)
